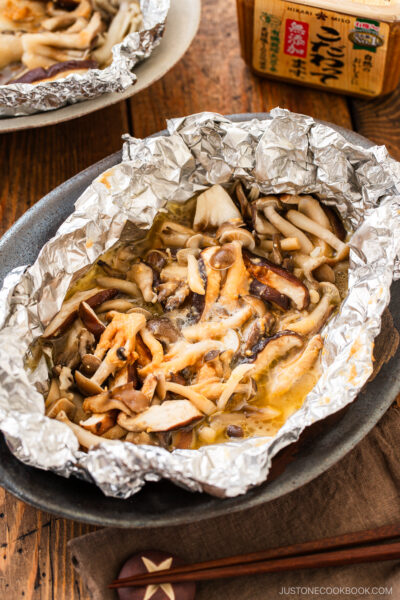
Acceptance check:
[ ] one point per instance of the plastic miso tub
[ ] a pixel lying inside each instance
(353, 50)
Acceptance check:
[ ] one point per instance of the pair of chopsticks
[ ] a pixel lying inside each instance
(359, 547)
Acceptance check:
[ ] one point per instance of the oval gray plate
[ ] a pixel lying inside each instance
(161, 504)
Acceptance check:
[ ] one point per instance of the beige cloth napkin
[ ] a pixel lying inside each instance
(361, 491)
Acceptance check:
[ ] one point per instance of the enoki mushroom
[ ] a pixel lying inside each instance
(209, 329)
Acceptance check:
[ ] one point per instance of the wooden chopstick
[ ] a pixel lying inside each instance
(326, 552)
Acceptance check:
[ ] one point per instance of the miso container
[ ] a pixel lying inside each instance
(350, 47)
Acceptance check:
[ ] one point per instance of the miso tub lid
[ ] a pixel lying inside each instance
(381, 10)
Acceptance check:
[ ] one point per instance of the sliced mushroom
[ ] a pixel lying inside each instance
(99, 423)
(270, 349)
(237, 280)
(165, 417)
(142, 275)
(314, 321)
(214, 207)
(87, 386)
(278, 278)
(213, 281)
(269, 294)
(62, 404)
(135, 400)
(126, 400)
(90, 320)
(53, 393)
(156, 259)
(288, 376)
(69, 310)
(85, 438)
(244, 204)
(118, 304)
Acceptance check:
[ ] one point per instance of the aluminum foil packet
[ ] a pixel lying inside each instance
(19, 99)
(284, 153)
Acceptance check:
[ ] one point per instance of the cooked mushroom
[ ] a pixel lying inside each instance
(87, 386)
(244, 204)
(278, 278)
(182, 355)
(174, 235)
(89, 365)
(62, 404)
(69, 310)
(153, 345)
(286, 377)
(99, 423)
(260, 223)
(156, 259)
(194, 278)
(142, 275)
(316, 319)
(270, 349)
(200, 240)
(211, 329)
(198, 400)
(183, 254)
(120, 285)
(269, 294)
(304, 222)
(90, 320)
(164, 417)
(85, 438)
(214, 207)
(228, 233)
(163, 330)
(286, 244)
(118, 304)
(235, 378)
(237, 280)
(270, 205)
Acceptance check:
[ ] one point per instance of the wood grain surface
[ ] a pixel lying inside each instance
(34, 564)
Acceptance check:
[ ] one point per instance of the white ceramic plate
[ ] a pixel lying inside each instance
(182, 24)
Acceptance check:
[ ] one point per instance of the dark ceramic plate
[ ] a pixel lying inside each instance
(160, 504)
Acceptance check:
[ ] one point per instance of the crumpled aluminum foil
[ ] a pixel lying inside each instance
(19, 99)
(285, 153)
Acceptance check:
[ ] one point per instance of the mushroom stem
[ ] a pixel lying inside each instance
(85, 438)
(235, 378)
(311, 226)
(198, 400)
(287, 244)
(315, 320)
(287, 229)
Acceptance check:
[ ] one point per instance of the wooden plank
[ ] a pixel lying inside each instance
(379, 120)
(35, 161)
(212, 76)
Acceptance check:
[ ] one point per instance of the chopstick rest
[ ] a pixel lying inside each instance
(151, 561)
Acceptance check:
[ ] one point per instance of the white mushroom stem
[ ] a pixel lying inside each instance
(315, 320)
(237, 280)
(235, 378)
(182, 355)
(214, 207)
(126, 287)
(198, 400)
(153, 345)
(194, 279)
(287, 244)
(310, 207)
(142, 275)
(212, 329)
(287, 229)
(288, 375)
(213, 283)
(311, 226)
(85, 438)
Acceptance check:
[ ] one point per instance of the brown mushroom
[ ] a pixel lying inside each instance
(156, 259)
(174, 235)
(163, 330)
(85, 438)
(120, 285)
(270, 205)
(62, 404)
(278, 278)
(69, 310)
(142, 275)
(89, 365)
(99, 423)
(270, 349)
(269, 294)
(244, 204)
(90, 320)
(170, 415)
(228, 232)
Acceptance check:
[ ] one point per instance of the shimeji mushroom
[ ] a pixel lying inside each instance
(99, 423)
(117, 345)
(244, 204)
(182, 355)
(195, 281)
(198, 400)
(167, 416)
(85, 438)
(314, 321)
(213, 281)
(174, 235)
(287, 375)
(127, 20)
(209, 329)
(214, 207)
(237, 279)
(270, 205)
(121, 285)
(309, 225)
(142, 275)
(228, 232)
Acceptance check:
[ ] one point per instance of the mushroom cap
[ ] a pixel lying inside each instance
(214, 207)
(228, 233)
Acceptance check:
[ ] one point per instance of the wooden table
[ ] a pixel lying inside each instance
(212, 76)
